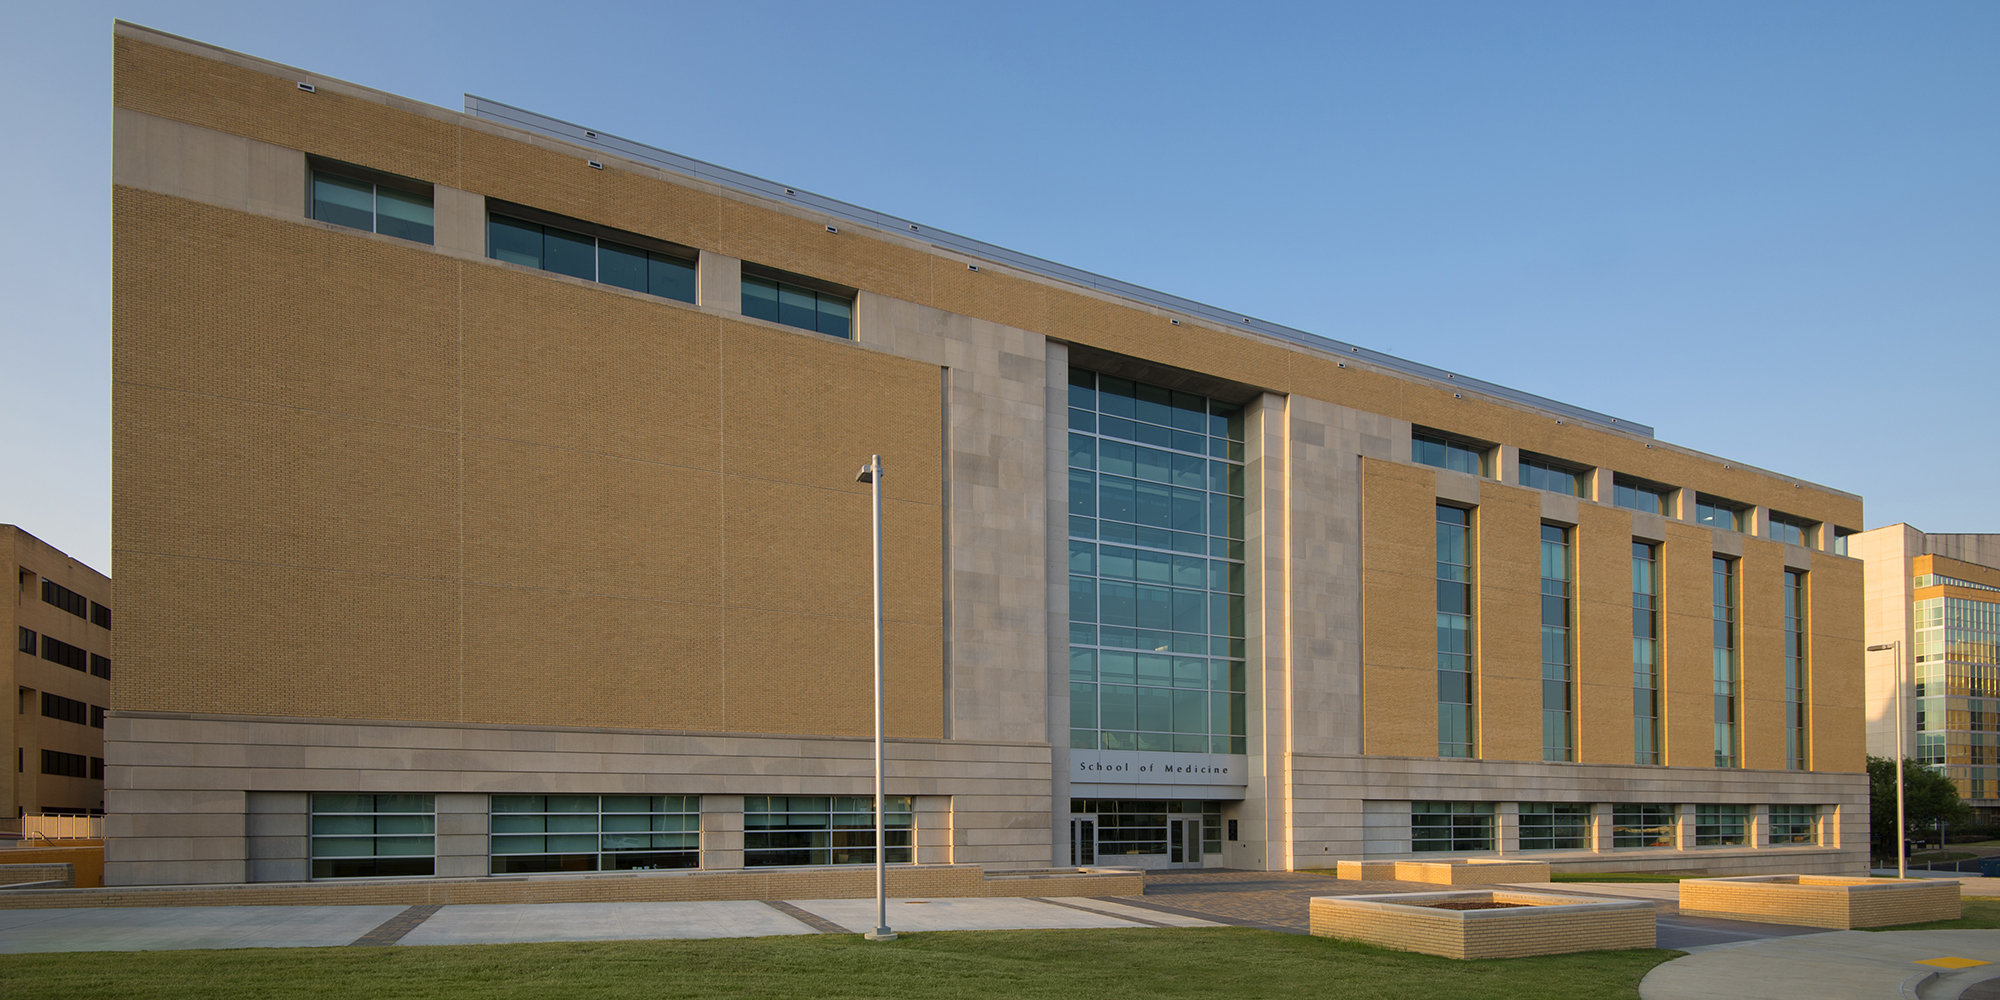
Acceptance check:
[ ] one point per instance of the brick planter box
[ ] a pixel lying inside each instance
(1473, 871)
(1821, 900)
(1543, 924)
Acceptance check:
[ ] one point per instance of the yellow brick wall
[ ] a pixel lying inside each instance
(1602, 551)
(1836, 644)
(1509, 623)
(1687, 621)
(1398, 609)
(1761, 619)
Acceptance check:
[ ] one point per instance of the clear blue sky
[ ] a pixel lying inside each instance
(1771, 230)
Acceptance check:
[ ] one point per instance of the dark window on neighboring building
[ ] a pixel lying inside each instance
(100, 616)
(65, 765)
(66, 599)
(55, 650)
(373, 202)
(56, 706)
(1635, 494)
(1550, 474)
(27, 641)
(100, 666)
(594, 253)
(97, 716)
(1718, 513)
(96, 774)
(796, 305)
(1446, 451)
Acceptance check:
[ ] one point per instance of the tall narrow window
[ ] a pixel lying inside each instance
(1645, 654)
(1558, 660)
(1796, 679)
(1724, 599)
(1454, 626)
(1157, 621)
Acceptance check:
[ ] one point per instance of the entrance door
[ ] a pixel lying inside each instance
(1184, 842)
(1083, 841)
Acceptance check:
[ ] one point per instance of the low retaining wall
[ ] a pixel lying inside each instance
(1545, 924)
(845, 882)
(52, 876)
(1822, 901)
(87, 860)
(1461, 871)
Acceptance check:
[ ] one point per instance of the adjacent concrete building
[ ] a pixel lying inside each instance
(59, 619)
(1935, 599)
(486, 505)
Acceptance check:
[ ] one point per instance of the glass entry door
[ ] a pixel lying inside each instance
(1083, 841)
(1184, 842)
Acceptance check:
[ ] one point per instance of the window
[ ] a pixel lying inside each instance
(1131, 828)
(1645, 654)
(55, 706)
(1436, 448)
(55, 650)
(100, 666)
(373, 836)
(1720, 826)
(1555, 826)
(1451, 826)
(822, 830)
(1157, 620)
(1794, 530)
(1718, 513)
(1723, 591)
(27, 642)
(593, 253)
(1642, 826)
(371, 202)
(1550, 474)
(1635, 494)
(100, 616)
(1454, 631)
(1840, 540)
(97, 716)
(1557, 652)
(66, 599)
(795, 305)
(588, 833)
(1796, 676)
(65, 765)
(96, 774)
(1794, 824)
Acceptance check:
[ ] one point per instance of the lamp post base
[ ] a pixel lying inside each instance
(880, 934)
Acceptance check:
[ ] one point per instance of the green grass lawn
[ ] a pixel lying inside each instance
(1978, 914)
(989, 965)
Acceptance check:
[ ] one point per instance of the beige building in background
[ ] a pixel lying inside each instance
(1936, 598)
(485, 504)
(59, 620)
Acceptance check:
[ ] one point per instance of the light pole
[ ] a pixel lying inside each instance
(1897, 645)
(872, 475)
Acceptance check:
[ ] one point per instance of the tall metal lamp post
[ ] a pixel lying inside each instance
(872, 474)
(1897, 645)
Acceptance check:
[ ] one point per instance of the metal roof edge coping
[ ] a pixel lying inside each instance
(556, 128)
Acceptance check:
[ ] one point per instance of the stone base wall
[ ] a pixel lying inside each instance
(846, 882)
(1548, 925)
(1808, 901)
(63, 875)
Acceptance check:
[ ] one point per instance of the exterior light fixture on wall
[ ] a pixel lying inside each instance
(307, 87)
(1453, 395)
(1342, 364)
(913, 227)
(594, 165)
(972, 267)
(1175, 322)
(589, 134)
(833, 229)
(790, 191)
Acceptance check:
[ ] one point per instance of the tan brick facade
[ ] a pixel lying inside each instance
(35, 630)
(397, 518)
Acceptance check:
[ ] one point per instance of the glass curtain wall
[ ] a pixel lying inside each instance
(1645, 654)
(1558, 675)
(1958, 688)
(1454, 631)
(1157, 588)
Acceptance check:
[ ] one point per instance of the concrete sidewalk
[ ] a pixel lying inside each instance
(1833, 965)
(168, 928)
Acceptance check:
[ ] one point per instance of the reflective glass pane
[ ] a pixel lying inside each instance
(760, 299)
(344, 202)
(404, 215)
(569, 253)
(670, 278)
(622, 266)
(514, 241)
